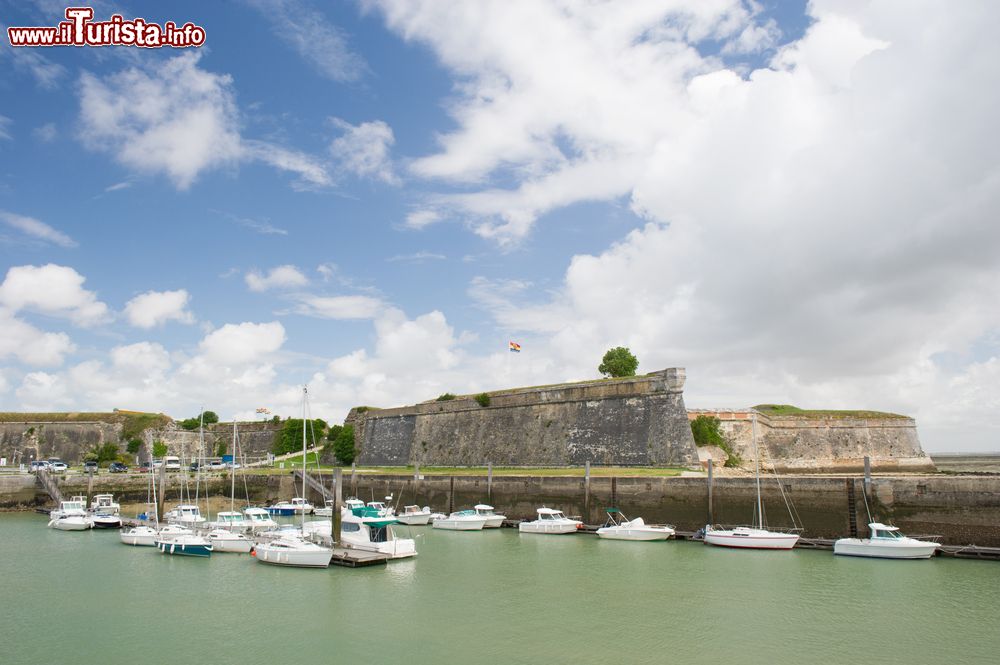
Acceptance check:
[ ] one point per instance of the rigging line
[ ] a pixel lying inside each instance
(793, 514)
(864, 495)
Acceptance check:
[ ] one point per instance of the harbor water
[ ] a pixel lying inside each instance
(487, 597)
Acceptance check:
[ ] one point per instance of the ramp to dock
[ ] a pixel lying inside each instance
(313, 484)
(49, 484)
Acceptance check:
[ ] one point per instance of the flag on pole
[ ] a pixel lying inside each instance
(515, 347)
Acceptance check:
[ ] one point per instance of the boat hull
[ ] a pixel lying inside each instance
(295, 558)
(181, 548)
(459, 525)
(226, 543)
(414, 520)
(550, 529)
(143, 538)
(752, 539)
(635, 533)
(71, 524)
(281, 512)
(107, 522)
(494, 521)
(861, 547)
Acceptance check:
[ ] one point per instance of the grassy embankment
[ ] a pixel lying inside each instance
(789, 410)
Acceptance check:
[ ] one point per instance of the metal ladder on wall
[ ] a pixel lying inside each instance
(852, 512)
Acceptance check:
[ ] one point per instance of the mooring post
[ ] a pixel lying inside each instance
(90, 487)
(354, 479)
(338, 477)
(489, 482)
(586, 489)
(159, 499)
(711, 514)
(868, 477)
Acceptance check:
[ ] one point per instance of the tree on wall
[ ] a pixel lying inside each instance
(707, 431)
(134, 445)
(343, 447)
(159, 449)
(617, 362)
(289, 439)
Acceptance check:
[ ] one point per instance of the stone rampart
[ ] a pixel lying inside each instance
(635, 421)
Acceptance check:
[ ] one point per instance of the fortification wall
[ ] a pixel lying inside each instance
(826, 444)
(637, 421)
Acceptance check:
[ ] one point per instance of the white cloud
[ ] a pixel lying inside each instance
(45, 72)
(30, 345)
(317, 41)
(155, 308)
(363, 150)
(45, 133)
(337, 307)
(242, 343)
(36, 229)
(4, 125)
(118, 186)
(418, 219)
(174, 117)
(280, 277)
(416, 257)
(54, 290)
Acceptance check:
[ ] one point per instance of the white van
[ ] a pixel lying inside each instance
(171, 463)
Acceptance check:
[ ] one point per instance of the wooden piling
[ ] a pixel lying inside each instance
(489, 482)
(586, 490)
(354, 479)
(711, 483)
(159, 498)
(868, 477)
(338, 477)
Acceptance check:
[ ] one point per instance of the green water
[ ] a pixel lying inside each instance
(487, 597)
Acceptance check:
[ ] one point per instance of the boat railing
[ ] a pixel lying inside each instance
(776, 529)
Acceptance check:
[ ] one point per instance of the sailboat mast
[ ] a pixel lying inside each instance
(756, 455)
(232, 473)
(305, 396)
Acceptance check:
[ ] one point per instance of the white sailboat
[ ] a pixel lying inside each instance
(757, 536)
(143, 535)
(292, 550)
(227, 532)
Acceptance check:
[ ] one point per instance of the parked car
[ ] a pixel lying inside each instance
(157, 463)
(216, 465)
(39, 465)
(90, 467)
(58, 467)
(193, 466)
(117, 467)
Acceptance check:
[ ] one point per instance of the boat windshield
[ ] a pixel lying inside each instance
(891, 535)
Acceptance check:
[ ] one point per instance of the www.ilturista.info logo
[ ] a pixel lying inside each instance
(81, 30)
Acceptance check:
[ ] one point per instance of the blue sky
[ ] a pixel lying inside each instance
(375, 197)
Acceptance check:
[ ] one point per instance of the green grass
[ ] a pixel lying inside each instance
(789, 410)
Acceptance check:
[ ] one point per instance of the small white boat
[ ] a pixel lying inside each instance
(139, 536)
(414, 515)
(105, 503)
(184, 545)
(106, 521)
(224, 540)
(364, 529)
(886, 542)
(326, 510)
(383, 510)
(259, 519)
(185, 514)
(550, 521)
(291, 550)
(463, 520)
(297, 506)
(493, 520)
(619, 527)
(750, 537)
(71, 516)
(231, 520)
(173, 530)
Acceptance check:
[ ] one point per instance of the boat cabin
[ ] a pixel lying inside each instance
(352, 503)
(550, 514)
(884, 532)
(483, 509)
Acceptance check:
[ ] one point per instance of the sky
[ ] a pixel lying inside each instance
(797, 202)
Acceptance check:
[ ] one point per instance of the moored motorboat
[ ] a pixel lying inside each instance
(462, 520)
(224, 540)
(886, 542)
(326, 510)
(259, 519)
(71, 516)
(619, 527)
(105, 503)
(493, 520)
(297, 506)
(139, 536)
(106, 521)
(291, 550)
(550, 521)
(414, 515)
(230, 520)
(364, 529)
(185, 515)
(184, 545)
